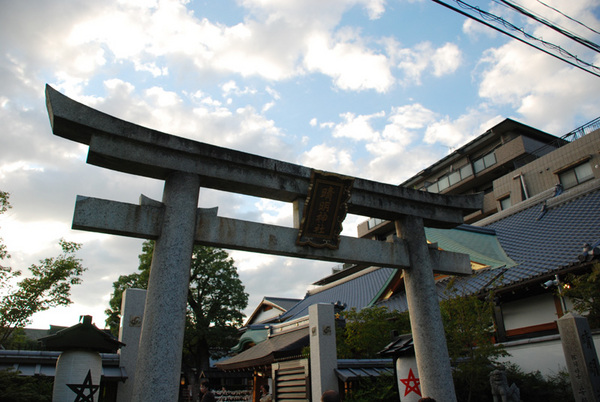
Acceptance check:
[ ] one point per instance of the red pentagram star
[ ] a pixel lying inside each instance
(411, 378)
(79, 389)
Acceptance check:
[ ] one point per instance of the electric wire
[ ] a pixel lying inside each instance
(565, 15)
(492, 17)
(505, 23)
(587, 43)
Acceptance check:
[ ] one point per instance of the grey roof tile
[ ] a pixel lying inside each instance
(540, 244)
(357, 292)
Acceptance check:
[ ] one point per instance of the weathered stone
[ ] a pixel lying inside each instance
(429, 339)
(126, 147)
(144, 221)
(130, 329)
(159, 357)
(581, 357)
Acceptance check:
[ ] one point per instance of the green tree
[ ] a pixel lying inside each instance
(138, 280)
(469, 326)
(216, 299)
(374, 389)
(4, 206)
(48, 285)
(17, 388)
(584, 293)
(368, 331)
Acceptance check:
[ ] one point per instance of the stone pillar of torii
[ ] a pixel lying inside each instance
(320, 200)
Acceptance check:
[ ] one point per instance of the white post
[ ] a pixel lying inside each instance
(323, 353)
(132, 313)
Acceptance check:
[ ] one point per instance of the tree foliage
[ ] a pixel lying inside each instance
(137, 280)
(17, 388)
(368, 331)
(469, 326)
(374, 389)
(4, 206)
(215, 303)
(47, 285)
(534, 387)
(216, 299)
(584, 293)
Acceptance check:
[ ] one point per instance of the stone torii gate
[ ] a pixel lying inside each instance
(177, 223)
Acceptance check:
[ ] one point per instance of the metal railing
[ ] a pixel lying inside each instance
(559, 142)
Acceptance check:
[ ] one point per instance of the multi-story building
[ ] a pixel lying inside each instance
(509, 163)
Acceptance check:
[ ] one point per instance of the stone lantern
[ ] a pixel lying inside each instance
(79, 367)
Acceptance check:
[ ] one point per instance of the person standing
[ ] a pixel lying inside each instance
(207, 396)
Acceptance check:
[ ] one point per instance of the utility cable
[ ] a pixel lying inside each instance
(507, 24)
(497, 19)
(589, 44)
(565, 15)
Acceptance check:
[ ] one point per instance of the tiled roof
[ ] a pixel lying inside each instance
(481, 244)
(541, 240)
(357, 292)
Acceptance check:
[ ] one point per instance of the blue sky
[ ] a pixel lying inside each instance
(369, 88)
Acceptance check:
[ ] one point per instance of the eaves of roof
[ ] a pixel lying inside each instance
(266, 352)
(482, 247)
(542, 245)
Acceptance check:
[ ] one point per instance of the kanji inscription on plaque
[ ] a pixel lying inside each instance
(324, 210)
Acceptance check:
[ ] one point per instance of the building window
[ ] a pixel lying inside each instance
(449, 180)
(433, 188)
(443, 183)
(505, 203)
(576, 175)
(454, 177)
(485, 162)
(466, 171)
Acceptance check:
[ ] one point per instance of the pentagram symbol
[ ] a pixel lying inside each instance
(411, 379)
(79, 389)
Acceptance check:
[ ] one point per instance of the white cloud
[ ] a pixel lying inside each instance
(446, 59)
(275, 213)
(350, 64)
(455, 133)
(357, 128)
(328, 158)
(423, 57)
(542, 89)
(162, 98)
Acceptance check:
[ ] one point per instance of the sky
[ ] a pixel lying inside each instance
(374, 89)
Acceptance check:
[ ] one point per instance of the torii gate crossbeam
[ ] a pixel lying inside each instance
(185, 166)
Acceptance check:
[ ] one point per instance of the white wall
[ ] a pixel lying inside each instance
(543, 354)
(535, 310)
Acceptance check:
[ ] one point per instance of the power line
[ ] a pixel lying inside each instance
(587, 43)
(580, 63)
(565, 15)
